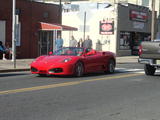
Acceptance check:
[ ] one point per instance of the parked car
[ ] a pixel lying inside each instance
(149, 55)
(74, 61)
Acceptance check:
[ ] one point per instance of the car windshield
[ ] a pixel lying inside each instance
(69, 51)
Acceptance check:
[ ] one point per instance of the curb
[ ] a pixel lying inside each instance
(14, 70)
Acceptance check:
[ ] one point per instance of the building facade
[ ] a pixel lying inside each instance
(119, 28)
(29, 14)
(145, 3)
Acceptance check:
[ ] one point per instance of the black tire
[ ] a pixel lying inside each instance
(111, 67)
(42, 75)
(79, 69)
(149, 70)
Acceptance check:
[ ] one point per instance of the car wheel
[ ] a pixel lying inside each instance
(149, 70)
(42, 75)
(111, 67)
(79, 69)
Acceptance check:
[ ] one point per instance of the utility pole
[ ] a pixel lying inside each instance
(84, 27)
(60, 11)
(13, 33)
(153, 21)
(159, 22)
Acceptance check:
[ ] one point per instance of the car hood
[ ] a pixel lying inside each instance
(51, 60)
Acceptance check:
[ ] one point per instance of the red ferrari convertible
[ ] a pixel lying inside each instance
(74, 61)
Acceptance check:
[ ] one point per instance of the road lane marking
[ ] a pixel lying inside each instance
(65, 84)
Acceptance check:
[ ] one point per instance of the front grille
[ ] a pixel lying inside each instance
(34, 69)
(56, 70)
(42, 71)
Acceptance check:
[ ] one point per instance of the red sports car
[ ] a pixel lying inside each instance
(74, 61)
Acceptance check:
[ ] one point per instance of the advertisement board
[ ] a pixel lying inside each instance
(138, 16)
(106, 27)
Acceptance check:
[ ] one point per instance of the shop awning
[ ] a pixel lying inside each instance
(50, 26)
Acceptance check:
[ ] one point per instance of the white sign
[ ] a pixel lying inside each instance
(138, 25)
(18, 34)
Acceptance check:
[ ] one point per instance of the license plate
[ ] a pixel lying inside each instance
(158, 61)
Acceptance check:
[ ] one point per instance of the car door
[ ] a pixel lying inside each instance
(92, 63)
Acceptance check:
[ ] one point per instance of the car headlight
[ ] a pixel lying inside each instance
(66, 60)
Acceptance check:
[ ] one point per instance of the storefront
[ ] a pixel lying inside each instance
(48, 35)
(134, 26)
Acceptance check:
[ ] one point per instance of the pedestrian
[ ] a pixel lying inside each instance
(59, 42)
(2, 50)
(99, 45)
(80, 43)
(8, 50)
(72, 42)
(87, 42)
(149, 38)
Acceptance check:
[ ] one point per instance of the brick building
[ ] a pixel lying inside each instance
(30, 15)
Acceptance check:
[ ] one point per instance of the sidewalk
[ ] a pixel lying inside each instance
(24, 64)
(21, 65)
(127, 59)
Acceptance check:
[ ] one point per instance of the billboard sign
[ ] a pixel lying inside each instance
(138, 16)
(106, 27)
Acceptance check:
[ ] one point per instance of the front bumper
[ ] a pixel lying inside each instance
(56, 70)
(152, 62)
(145, 61)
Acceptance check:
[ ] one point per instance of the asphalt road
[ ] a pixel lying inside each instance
(126, 95)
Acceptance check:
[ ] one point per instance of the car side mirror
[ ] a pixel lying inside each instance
(88, 54)
(84, 55)
(93, 52)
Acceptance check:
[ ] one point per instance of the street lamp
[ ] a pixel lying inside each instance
(13, 32)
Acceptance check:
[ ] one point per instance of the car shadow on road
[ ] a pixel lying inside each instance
(156, 75)
(85, 75)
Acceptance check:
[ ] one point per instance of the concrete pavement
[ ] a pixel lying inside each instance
(21, 65)
(24, 64)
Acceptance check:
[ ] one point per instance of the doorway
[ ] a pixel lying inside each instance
(46, 42)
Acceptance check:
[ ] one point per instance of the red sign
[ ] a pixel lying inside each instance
(106, 27)
(138, 16)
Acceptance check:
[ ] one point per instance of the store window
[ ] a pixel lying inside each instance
(125, 38)
(145, 3)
